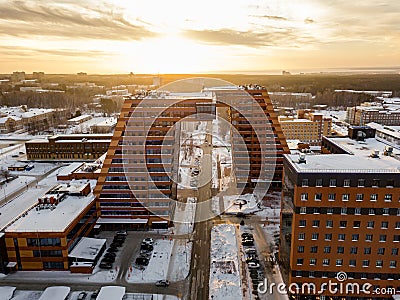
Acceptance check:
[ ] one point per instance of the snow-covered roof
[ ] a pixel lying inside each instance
(121, 221)
(69, 169)
(80, 118)
(55, 293)
(87, 248)
(56, 220)
(111, 292)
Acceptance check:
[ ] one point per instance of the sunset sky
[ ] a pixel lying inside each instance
(176, 36)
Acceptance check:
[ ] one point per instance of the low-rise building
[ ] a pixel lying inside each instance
(68, 147)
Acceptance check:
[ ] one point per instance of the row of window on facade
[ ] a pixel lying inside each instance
(356, 224)
(346, 197)
(347, 182)
(352, 250)
(354, 237)
(357, 210)
(352, 262)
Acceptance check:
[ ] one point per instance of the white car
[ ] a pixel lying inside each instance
(253, 265)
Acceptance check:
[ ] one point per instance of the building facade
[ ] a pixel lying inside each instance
(340, 213)
(67, 147)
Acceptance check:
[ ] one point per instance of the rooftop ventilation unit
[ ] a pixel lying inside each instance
(388, 151)
(375, 154)
(302, 159)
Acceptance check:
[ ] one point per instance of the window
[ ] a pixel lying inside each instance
(318, 182)
(359, 197)
(357, 211)
(381, 251)
(316, 223)
(398, 211)
(353, 250)
(329, 223)
(352, 263)
(53, 265)
(300, 261)
(363, 275)
(304, 196)
(339, 262)
(340, 250)
(376, 182)
(302, 223)
(331, 197)
(354, 237)
(314, 236)
(329, 210)
(379, 263)
(325, 262)
(395, 251)
(343, 224)
(397, 226)
(312, 275)
(316, 210)
(368, 237)
(385, 211)
(396, 238)
(390, 183)
(314, 249)
(313, 261)
(373, 197)
(303, 210)
(304, 182)
(361, 182)
(371, 211)
(346, 183)
(328, 236)
(367, 250)
(356, 224)
(327, 249)
(388, 197)
(365, 263)
(392, 264)
(343, 210)
(382, 238)
(370, 224)
(332, 182)
(300, 249)
(302, 236)
(318, 197)
(345, 197)
(341, 237)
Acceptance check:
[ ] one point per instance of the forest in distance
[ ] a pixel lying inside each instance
(322, 86)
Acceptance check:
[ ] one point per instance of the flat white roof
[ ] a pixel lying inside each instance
(55, 293)
(121, 221)
(87, 248)
(111, 292)
(69, 169)
(81, 117)
(56, 220)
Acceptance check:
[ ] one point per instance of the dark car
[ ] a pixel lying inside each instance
(147, 247)
(162, 283)
(94, 295)
(240, 215)
(82, 296)
(116, 244)
(122, 233)
(142, 261)
(252, 259)
(110, 254)
(105, 265)
(247, 234)
(108, 259)
(248, 242)
(112, 250)
(149, 241)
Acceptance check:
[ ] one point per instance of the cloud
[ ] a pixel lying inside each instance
(285, 37)
(309, 21)
(275, 18)
(20, 19)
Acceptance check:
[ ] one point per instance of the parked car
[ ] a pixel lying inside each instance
(122, 233)
(253, 265)
(14, 155)
(94, 295)
(147, 247)
(252, 259)
(163, 283)
(142, 261)
(110, 254)
(108, 259)
(247, 234)
(82, 296)
(248, 242)
(116, 244)
(105, 265)
(112, 250)
(148, 241)
(240, 215)
(250, 251)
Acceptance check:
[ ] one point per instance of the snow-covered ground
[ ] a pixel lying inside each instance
(27, 295)
(250, 204)
(38, 169)
(85, 127)
(14, 185)
(184, 216)
(180, 260)
(6, 292)
(222, 157)
(158, 264)
(225, 280)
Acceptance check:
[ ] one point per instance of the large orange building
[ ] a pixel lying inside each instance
(138, 177)
(341, 213)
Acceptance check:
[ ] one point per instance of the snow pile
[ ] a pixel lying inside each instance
(158, 264)
(180, 261)
(225, 282)
(184, 216)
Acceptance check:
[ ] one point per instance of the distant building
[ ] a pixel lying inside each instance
(10, 124)
(68, 147)
(106, 126)
(38, 75)
(286, 73)
(17, 76)
(81, 74)
(387, 134)
(80, 119)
